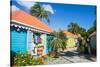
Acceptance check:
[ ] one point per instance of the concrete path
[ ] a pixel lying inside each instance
(70, 56)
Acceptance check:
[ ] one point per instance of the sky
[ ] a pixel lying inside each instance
(62, 14)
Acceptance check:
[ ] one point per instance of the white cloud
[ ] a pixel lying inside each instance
(48, 7)
(29, 4)
(13, 8)
(26, 4)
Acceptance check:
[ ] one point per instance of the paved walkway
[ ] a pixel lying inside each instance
(69, 56)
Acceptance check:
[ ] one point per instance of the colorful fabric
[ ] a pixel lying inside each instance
(37, 39)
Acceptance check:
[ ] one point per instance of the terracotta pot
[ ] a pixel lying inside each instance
(13, 65)
(53, 54)
(39, 50)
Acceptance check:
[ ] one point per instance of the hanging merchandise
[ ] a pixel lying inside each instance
(37, 39)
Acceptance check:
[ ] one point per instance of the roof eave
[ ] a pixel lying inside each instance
(14, 21)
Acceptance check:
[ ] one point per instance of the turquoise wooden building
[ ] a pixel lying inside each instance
(27, 32)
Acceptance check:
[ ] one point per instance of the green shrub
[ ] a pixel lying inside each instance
(82, 49)
(22, 59)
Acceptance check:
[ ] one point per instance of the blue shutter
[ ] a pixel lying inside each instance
(47, 44)
(29, 41)
(18, 40)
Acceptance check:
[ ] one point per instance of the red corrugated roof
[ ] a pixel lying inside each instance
(69, 34)
(28, 19)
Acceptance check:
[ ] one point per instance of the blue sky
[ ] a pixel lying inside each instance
(63, 14)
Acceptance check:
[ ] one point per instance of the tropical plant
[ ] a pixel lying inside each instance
(58, 41)
(76, 29)
(92, 29)
(55, 44)
(62, 36)
(39, 46)
(24, 59)
(38, 11)
(73, 28)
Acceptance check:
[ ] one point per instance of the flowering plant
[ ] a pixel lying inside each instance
(24, 59)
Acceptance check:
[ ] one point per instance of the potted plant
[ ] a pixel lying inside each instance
(40, 49)
(55, 44)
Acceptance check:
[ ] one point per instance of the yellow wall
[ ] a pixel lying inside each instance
(70, 42)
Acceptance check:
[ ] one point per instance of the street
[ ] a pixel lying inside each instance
(70, 56)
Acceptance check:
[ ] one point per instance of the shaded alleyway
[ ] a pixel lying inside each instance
(70, 56)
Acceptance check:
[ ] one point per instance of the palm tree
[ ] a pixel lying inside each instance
(76, 29)
(62, 36)
(92, 29)
(55, 43)
(38, 11)
(73, 27)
